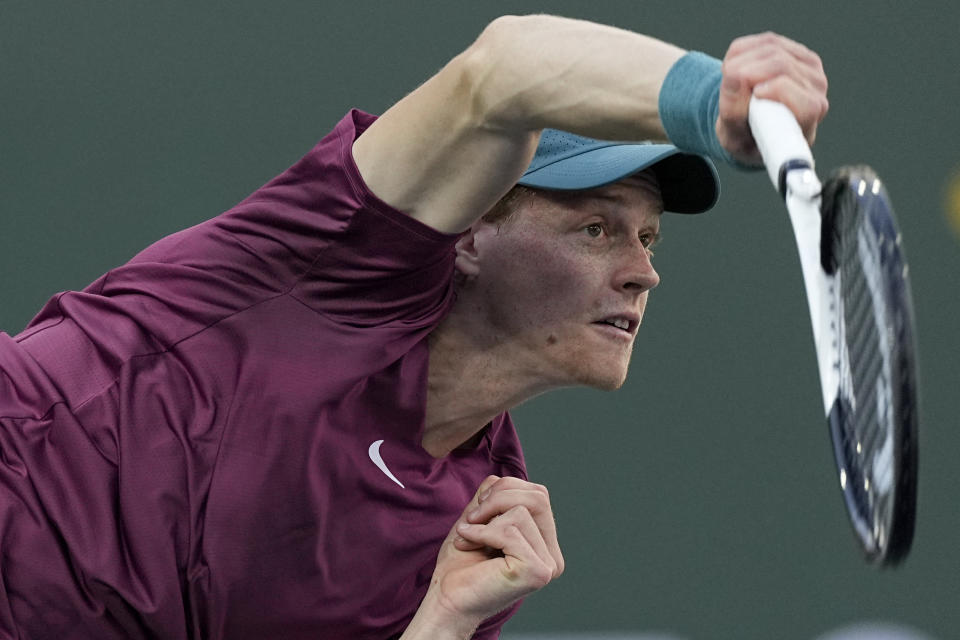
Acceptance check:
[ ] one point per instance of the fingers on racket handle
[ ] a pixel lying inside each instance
(779, 139)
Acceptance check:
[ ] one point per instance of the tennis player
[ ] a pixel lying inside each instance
(291, 422)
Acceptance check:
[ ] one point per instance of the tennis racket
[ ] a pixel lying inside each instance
(858, 291)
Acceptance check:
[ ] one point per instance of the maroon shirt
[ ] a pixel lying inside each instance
(187, 446)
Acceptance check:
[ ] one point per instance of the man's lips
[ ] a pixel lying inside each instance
(625, 323)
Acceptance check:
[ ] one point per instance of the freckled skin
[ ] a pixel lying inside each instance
(557, 266)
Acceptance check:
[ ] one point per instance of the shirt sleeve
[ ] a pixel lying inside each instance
(316, 232)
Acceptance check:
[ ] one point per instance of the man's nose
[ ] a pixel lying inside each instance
(638, 273)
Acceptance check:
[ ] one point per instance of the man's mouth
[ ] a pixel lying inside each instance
(625, 324)
(620, 323)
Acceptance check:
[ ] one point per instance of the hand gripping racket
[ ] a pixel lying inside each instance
(856, 279)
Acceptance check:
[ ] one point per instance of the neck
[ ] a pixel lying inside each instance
(473, 378)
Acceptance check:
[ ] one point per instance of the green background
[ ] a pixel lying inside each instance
(701, 499)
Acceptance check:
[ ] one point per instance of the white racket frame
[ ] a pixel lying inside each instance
(781, 144)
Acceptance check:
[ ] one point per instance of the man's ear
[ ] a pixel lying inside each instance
(467, 261)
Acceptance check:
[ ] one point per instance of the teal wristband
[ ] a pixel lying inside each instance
(689, 105)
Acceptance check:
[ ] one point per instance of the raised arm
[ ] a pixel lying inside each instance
(451, 148)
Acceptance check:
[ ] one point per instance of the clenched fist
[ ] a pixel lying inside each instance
(768, 66)
(503, 547)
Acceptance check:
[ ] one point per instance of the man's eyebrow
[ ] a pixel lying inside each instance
(601, 197)
(609, 197)
(587, 199)
(619, 197)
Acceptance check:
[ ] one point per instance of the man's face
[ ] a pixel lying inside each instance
(565, 280)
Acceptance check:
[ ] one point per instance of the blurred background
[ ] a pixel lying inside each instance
(700, 501)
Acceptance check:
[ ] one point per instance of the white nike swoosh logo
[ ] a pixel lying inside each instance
(374, 453)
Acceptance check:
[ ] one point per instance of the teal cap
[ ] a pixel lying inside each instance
(688, 182)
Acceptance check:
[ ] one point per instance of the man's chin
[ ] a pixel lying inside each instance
(609, 379)
(603, 371)
(610, 385)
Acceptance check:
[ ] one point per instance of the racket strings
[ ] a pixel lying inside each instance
(865, 383)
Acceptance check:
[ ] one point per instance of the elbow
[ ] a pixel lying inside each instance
(501, 32)
(506, 27)
(492, 73)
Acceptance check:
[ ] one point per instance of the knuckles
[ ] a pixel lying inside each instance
(541, 576)
(788, 71)
(517, 513)
(536, 495)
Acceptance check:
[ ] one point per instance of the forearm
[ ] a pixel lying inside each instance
(433, 621)
(532, 72)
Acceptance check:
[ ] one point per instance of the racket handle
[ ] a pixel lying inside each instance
(779, 139)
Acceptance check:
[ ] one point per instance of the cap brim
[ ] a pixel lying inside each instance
(688, 183)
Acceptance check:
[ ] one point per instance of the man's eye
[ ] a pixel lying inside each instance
(648, 240)
(594, 230)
